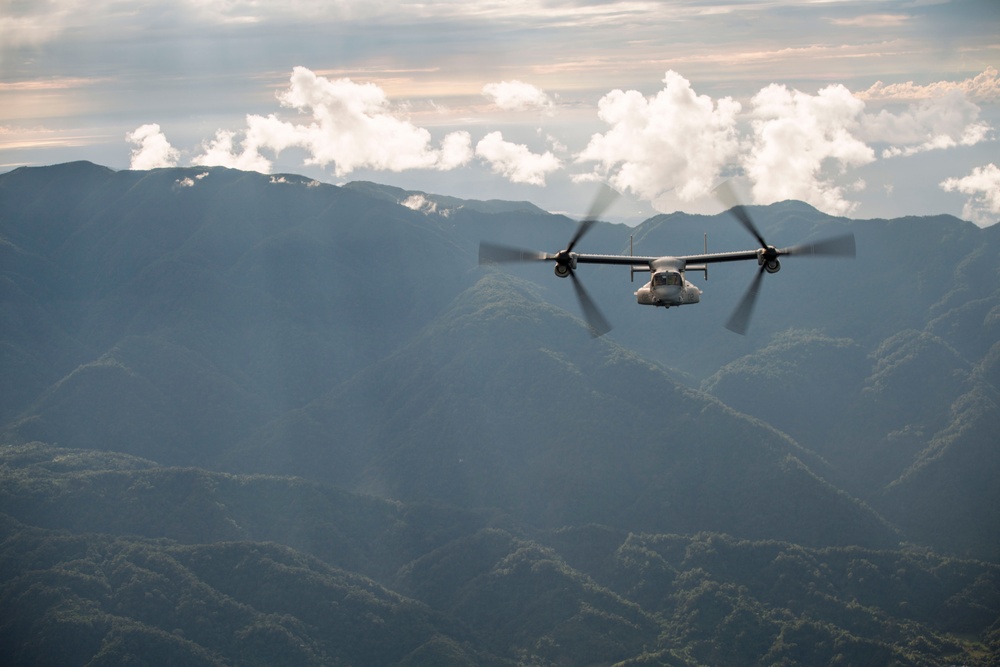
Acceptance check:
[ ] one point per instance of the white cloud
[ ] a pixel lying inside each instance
(152, 149)
(420, 203)
(188, 182)
(221, 152)
(350, 125)
(674, 141)
(554, 143)
(456, 150)
(669, 148)
(942, 122)
(801, 142)
(873, 21)
(353, 127)
(983, 187)
(984, 87)
(515, 161)
(518, 96)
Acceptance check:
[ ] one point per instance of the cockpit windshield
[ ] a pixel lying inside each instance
(666, 278)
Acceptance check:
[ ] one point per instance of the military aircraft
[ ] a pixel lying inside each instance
(668, 285)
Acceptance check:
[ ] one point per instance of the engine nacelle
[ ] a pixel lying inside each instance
(562, 270)
(768, 258)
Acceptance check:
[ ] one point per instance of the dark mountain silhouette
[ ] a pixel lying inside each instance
(251, 418)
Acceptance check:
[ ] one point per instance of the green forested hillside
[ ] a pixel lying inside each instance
(105, 575)
(599, 435)
(250, 419)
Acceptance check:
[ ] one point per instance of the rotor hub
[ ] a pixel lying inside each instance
(767, 257)
(566, 259)
(767, 254)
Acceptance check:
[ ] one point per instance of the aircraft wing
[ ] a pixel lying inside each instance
(647, 262)
(711, 258)
(624, 260)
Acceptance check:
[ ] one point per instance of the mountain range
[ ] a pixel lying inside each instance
(257, 419)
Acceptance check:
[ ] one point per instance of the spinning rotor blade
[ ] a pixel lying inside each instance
(837, 246)
(599, 325)
(492, 252)
(565, 260)
(727, 196)
(597, 322)
(740, 319)
(602, 202)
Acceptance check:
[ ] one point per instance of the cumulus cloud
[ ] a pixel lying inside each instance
(152, 150)
(222, 152)
(801, 142)
(942, 122)
(350, 126)
(675, 140)
(515, 161)
(518, 96)
(669, 149)
(983, 187)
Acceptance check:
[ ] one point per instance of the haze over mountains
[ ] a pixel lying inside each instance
(257, 419)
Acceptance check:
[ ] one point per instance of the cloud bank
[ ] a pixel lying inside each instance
(667, 148)
(946, 121)
(984, 87)
(672, 147)
(349, 125)
(353, 126)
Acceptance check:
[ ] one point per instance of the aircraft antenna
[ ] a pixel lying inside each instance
(706, 252)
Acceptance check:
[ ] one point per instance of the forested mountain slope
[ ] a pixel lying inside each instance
(219, 388)
(591, 434)
(95, 572)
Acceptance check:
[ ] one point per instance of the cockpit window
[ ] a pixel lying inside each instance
(667, 278)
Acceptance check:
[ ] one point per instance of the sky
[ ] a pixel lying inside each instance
(867, 109)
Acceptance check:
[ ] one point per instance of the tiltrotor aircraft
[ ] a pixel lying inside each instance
(668, 286)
